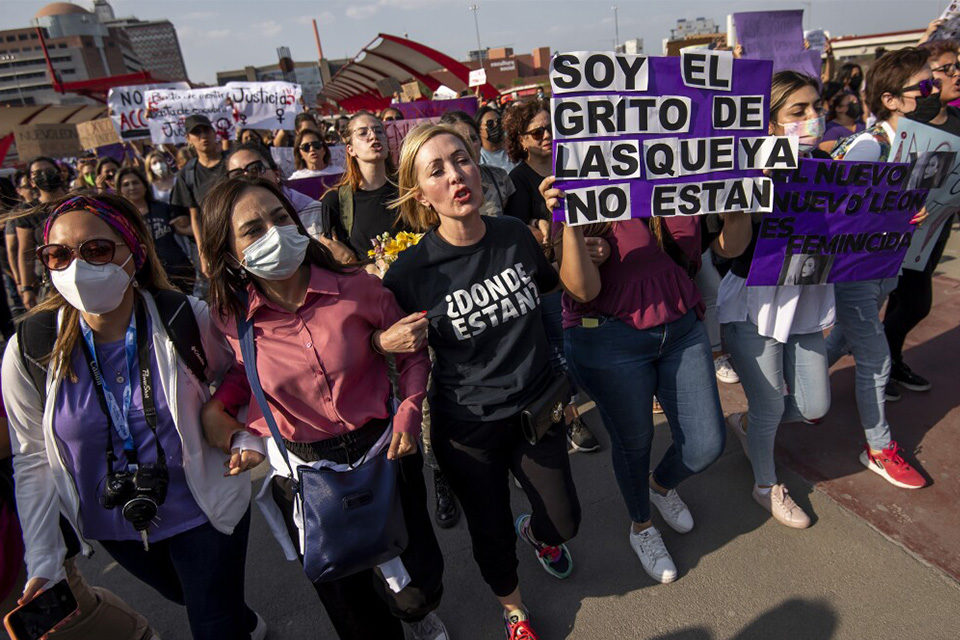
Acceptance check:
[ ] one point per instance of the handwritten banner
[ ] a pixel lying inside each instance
(97, 133)
(836, 221)
(265, 105)
(936, 154)
(128, 110)
(54, 140)
(777, 36)
(169, 108)
(635, 136)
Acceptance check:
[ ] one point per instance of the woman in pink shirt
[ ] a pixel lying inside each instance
(321, 331)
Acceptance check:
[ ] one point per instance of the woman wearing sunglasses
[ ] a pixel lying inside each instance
(311, 156)
(119, 416)
(899, 84)
(322, 331)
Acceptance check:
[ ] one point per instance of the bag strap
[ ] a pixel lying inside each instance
(672, 249)
(248, 350)
(36, 336)
(181, 326)
(345, 196)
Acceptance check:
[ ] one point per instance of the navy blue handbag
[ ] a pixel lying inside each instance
(352, 520)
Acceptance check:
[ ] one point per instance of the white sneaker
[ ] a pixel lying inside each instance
(430, 628)
(260, 631)
(675, 513)
(725, 370)
(656, 560)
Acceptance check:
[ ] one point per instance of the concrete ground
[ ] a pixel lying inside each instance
(742, 576)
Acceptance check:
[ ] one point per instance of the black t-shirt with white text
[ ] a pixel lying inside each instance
(372, 217)
(483, 306)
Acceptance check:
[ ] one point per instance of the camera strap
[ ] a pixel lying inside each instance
(136, 346)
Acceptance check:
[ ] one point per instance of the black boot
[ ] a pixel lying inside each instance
(448, 511)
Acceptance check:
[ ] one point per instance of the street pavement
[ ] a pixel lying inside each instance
(742, 576)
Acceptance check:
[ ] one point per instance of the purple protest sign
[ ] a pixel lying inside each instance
(637, 137)
(435, 108)
(777, 36)
(316, 186)
(836, 221)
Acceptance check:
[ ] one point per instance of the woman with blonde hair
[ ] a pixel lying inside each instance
(496, 404)
(160, 175)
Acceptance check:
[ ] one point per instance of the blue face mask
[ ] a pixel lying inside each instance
(277, 254)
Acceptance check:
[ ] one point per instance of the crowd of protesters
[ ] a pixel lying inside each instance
(186, 313)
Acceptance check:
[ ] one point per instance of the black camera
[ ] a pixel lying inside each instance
(138, 493)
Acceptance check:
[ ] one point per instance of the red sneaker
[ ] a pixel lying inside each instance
(517, 626)
(893, 468)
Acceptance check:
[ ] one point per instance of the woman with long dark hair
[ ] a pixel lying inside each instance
(321, 332)
(164, 222)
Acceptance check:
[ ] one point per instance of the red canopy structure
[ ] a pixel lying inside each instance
(94, 88)
(354, 86)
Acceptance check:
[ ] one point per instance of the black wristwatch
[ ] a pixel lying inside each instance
(28, 287)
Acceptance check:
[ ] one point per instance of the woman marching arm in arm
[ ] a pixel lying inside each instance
(320, 362)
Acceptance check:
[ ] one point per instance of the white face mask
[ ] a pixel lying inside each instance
(91, 288)
(277, 254)
(160, 169)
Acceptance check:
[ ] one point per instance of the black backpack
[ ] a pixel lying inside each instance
(37, 334)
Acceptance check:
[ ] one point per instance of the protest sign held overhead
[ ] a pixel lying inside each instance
(54, 140)
(836, 221)
(168, 108)
(97, 133)
(128, 108)
(777, 36)
(936, 155)
(265, 105)
(638, 136)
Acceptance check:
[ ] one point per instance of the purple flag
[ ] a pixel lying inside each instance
(836, 221)
(777, 36)
(435, 108)
(314, 187)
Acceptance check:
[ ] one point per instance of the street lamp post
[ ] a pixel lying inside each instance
(10, 58)
(616, 27)
(476, 25)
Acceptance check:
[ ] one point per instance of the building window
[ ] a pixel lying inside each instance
(23, 36)
(61, 45)
(11, 38)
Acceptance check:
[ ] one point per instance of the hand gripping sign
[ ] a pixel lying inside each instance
(638, 136)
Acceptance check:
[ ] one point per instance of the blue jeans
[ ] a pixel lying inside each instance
(860, 332)
(621, 368)
(764, 366)
(200, 568)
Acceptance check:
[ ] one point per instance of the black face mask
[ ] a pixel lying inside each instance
(854, 83)
(927, 108)
(494, 131)
(854, 110)
(48, 180)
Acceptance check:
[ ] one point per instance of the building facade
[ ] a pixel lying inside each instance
(80, 48)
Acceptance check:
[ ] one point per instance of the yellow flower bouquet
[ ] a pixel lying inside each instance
(386, 248)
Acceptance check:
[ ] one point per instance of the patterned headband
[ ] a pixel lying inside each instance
(108, 214)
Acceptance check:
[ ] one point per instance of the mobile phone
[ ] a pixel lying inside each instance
(43, 614)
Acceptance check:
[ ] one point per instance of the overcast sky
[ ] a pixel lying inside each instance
(217, 35)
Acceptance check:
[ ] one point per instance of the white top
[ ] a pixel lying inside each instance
(329, 170)
(777, 311)
(865, 148)
(161, 195)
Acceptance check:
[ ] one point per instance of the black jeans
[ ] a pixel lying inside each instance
(200, 568)
(911, 301)
(475, 458)
(362, 606)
